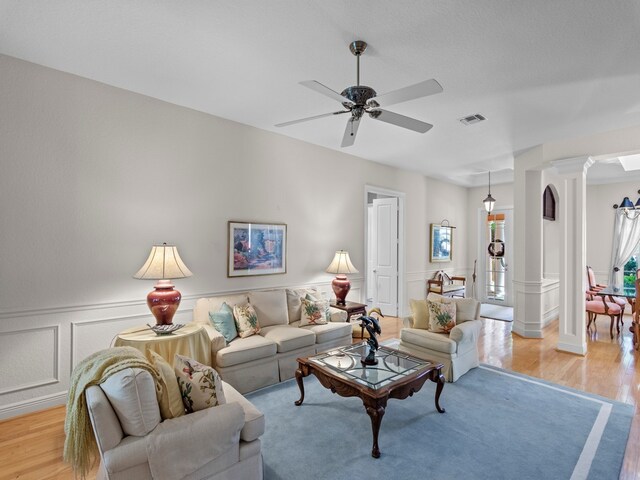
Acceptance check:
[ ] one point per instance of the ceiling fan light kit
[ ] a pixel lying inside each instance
(360, 99)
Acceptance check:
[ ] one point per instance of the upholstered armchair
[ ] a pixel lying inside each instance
(457, 350)
(445, 285)
(221, 442)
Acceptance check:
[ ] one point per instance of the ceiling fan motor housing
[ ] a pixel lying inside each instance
(359, 95)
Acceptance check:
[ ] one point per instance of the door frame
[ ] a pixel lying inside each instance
(482, 215)
(401, 246)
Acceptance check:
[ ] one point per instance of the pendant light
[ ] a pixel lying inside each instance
(489, 202)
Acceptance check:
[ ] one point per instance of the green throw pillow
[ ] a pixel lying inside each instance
(223, 322)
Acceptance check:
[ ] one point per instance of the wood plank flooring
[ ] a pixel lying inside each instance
(31, 445)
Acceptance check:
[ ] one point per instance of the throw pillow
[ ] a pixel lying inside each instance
(246, 320)
(442, 316)
(171, 405)
(314, 312)
(294, 305)
(420, 313)
(200, 385)
(223, 322)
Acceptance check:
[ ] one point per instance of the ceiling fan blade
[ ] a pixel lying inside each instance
(400, 120)
(326, 91)
(422, 89)
(350, 132)
(292, 122)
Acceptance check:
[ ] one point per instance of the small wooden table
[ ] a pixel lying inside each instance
(397, 375)
(191, 341)
(352, 309)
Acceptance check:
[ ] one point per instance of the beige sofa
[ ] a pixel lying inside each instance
(458, 350)
(269, 357)
(218, 443)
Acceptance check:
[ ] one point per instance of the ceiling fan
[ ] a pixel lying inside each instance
(360, 99)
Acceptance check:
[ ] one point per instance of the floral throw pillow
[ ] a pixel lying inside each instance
(314, 312)
(200, 385)
(442, 316)
(246, 320)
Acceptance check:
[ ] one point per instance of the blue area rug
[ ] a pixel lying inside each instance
(497, 425)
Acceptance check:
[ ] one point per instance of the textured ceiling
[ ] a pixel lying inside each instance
(538, 70)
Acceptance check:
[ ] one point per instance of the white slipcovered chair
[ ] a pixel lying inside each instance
(221, 442)
(457, 350)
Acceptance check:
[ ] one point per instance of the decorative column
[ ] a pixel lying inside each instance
(573, 246)
(528, 276)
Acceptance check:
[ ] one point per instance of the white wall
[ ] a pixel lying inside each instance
(92, 176)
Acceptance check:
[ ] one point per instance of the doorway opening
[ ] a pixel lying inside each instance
(384, 250)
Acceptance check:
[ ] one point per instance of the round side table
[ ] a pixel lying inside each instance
(191, 341)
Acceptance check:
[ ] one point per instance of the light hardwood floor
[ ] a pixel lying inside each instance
(31, 445)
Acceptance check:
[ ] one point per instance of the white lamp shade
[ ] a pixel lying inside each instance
(164, 262)
(341, 264)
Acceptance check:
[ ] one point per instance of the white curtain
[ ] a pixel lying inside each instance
(626, 236)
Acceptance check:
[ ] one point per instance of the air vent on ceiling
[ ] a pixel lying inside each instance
(471, 119)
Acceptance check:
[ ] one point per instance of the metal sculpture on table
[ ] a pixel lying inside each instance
(372, 326)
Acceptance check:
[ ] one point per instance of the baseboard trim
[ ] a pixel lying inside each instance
(33, 405)
(571, 348)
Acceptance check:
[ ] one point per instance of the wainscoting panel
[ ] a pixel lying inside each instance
(41, 346)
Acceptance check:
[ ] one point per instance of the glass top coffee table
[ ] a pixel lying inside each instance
(397, 375)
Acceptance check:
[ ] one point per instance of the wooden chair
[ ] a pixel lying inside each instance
(635, 324)
(597, 305)
(596, 287)
(444, 285)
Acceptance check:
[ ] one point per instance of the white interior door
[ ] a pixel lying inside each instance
(384, 253)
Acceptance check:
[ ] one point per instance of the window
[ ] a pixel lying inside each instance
(630, 270)
(548, 204)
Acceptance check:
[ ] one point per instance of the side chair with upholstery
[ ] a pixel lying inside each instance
(597, 305)
(596, 287)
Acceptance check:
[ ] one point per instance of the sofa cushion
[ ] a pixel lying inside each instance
(420, 313)
(466, 308)
(253, 418)
(294, 303)
(243, 350)
(132, 394)
(223, 322)
(171, 405)
(212, 304)
(200, 385)
(432, 341)
(289, 338)
(442, 316)
(270, 306)
(330, 331)
(246, 320)
(314, 312)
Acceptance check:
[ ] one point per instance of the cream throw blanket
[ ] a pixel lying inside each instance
(80, 447)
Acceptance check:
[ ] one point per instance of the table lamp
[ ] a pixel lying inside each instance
(341, 265)
(164, 263)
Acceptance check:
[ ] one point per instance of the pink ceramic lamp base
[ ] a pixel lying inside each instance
(163, 302)
(341, 287)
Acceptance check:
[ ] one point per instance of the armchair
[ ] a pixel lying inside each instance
(458, 350)
(445, 285)
(220, 443)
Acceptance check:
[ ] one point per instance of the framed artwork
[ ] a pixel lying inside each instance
(256, 249)
(441, 243)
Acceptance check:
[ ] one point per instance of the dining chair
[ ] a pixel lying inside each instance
(596, 287)
(597, 305)
(635, 324)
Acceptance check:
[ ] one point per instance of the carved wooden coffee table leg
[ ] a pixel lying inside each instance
(376, 412)
(299, 376)
(438, 378)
